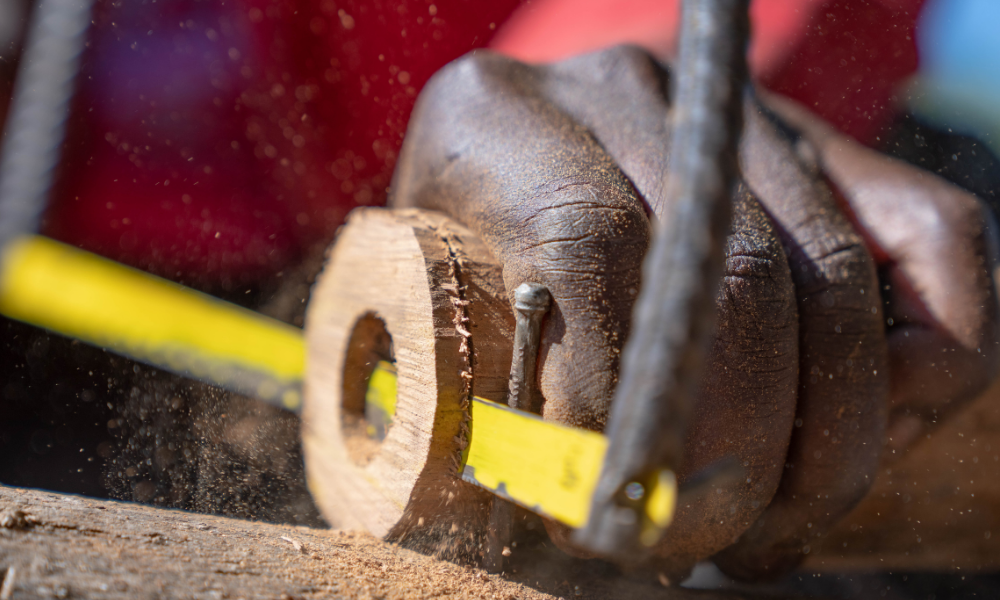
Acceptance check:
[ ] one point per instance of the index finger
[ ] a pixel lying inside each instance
(486, 147)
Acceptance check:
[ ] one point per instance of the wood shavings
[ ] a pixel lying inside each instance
(7, 589)
(295, 543)
(461, 322)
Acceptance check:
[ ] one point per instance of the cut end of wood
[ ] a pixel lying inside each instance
(415, 289)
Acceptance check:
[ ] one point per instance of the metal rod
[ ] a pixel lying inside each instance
(674, 317)
(36, 124)
(86, 297)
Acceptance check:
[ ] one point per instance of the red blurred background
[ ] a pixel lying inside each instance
(216, 143)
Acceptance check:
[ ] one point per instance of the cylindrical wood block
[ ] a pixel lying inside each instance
(417, 289)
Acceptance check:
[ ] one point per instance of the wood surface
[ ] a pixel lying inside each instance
(62, 546)
(413, 287)
(935, 508)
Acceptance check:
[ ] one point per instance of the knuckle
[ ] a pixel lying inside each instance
(625, 58)
(626, 66)
(835, 266)
(573, 223)
(469, 77)
(756, 293)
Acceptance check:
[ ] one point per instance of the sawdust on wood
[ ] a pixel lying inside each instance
(62, 546)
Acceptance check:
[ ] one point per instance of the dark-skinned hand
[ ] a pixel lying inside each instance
(560, 169)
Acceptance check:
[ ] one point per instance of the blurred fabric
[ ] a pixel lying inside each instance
(217, 144)
(958, 87)
(213, 143)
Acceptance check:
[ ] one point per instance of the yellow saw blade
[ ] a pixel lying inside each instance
(547, 468)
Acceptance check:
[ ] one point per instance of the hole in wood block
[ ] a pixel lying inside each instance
(368, 409)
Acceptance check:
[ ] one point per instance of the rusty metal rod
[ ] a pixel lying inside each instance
(674, 317)
(36, 124)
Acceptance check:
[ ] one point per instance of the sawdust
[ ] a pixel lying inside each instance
(457, 293)
(83, 420)
(361, 447)
(90, 548)
(182, 444)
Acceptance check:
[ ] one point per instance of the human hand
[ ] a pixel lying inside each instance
(560, 168)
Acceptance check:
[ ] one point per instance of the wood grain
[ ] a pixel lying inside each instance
(439, 295)
(62, 546)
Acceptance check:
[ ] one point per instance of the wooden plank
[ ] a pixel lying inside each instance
(56, 545)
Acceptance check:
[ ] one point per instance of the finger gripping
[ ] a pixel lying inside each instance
(674, 316)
